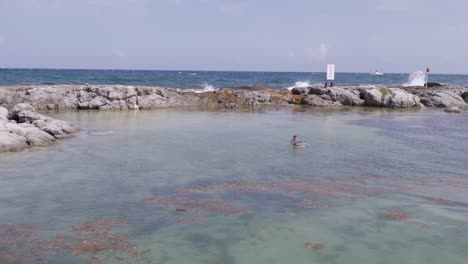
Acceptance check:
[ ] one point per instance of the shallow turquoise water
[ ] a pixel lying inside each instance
(249, 196)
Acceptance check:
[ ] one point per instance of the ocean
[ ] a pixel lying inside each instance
(209, 80)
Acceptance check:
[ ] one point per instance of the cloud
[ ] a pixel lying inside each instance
(119, 53)
(318, 53)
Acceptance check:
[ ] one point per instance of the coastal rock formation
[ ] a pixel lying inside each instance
(23, 126)
(118, 97)
(444, 99)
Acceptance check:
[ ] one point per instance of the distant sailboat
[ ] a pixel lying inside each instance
(377, 72)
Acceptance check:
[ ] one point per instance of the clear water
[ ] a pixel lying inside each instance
(199, 79)
(362, 165)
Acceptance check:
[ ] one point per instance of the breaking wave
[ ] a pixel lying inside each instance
(416, 79)
(205, 88)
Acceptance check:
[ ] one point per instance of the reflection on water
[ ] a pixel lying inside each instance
(177, 186)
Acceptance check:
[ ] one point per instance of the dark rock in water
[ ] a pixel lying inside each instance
(454, 109)
(433, 84)
(300, 90)
(231, 106)
(100, 132)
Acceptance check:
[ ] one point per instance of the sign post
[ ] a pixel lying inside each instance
(427, 77)
(330, 75)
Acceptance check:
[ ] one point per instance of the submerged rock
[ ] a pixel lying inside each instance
(433, 84)
(100, 132)
(453, 110)
(231, 106)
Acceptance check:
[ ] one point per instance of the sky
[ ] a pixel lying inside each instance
(251, 35)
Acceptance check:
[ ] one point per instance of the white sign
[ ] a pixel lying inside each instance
(331, 72)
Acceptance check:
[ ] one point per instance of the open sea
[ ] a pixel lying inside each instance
(213, 79)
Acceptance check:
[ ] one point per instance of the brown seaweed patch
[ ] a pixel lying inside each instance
(394, 216)
(94, 241)
(97, 243)
(314, 246)
(20, 244)
(315, 187)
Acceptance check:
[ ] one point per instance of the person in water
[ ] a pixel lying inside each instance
(297, 143)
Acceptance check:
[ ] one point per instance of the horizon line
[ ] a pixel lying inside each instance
(192, 70)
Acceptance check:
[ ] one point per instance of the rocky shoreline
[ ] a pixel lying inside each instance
(21, 126)
(117, 97)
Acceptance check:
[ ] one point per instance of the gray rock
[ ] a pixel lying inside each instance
(390, 97)
(453, 110)
(444, 99)
(372, 97)
(57, 128)
(11, 142)
(3, 114)
(345, 97)
(20, 108)
(97, 102)
(315, 100)
(30, 117)
(318, 90)
(36, 137)
(152, 101)
(14, 128)
(399, 98)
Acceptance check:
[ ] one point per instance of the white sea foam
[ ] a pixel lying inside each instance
(299, 85)
(416, 79)
(206, 88)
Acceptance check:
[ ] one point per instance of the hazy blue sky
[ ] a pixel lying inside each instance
(295, 35)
